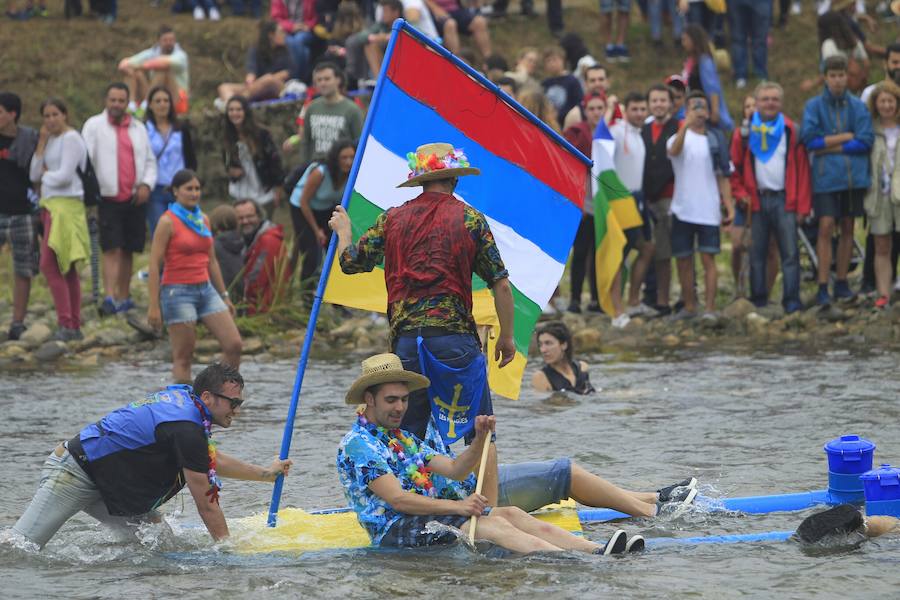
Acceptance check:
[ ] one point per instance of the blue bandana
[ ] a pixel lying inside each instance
(765, 137)
(193, 219)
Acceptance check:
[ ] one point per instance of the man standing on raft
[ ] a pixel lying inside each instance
(398, 484)
(431, 246)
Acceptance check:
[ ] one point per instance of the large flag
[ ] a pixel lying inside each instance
(531, 186)
(614, 211)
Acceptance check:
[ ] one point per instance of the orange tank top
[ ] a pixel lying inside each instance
(187, 255)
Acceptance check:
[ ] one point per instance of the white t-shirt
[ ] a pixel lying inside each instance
(629, 154)
(770, 175)
(696, 197)
(830, 48)
(425, 24)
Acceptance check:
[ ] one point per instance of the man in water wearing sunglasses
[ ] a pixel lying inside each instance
(120, 469)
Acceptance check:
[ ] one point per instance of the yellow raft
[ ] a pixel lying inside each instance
(299, 531)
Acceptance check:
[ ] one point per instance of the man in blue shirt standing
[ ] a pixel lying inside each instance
(837, 129)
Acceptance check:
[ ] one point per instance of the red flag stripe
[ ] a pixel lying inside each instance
(499, 128)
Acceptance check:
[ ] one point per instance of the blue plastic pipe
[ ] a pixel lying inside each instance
(768, 536)
(748, 504)
(323, 281)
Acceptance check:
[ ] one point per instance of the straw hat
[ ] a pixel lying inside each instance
(384, 368)
(436, 161)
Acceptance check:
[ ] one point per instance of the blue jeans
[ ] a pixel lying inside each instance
(159, 202)
(64, 490)
(655, 10)
(711, 22)
(456, 350)
(239, 6)
(298, 45)
(773, 219)
(206, 5)
(750, 19)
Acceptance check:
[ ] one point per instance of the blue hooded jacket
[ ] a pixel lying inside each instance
(827, 114)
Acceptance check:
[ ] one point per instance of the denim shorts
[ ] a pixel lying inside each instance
(188, 303)
(846, 203)
(531, 485)
(685, 235)
(608, 6)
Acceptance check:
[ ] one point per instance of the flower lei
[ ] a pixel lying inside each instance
(405, 448)
(419, 164)
(215, 484)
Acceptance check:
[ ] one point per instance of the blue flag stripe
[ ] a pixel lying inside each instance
(538, 215)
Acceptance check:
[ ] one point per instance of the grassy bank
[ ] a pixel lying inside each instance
(76, 59)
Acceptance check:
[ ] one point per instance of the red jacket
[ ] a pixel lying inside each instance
(279, 12)
(265, 256)
(797, 188)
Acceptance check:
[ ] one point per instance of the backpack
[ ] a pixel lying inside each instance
(90, 184)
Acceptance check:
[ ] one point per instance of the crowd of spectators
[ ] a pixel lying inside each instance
(694, 171)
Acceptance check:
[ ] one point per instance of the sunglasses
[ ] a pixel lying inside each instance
(235, 402)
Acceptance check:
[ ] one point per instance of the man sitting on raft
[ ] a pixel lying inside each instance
(398, 484)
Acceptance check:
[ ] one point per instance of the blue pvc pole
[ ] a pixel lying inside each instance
(768, 536)
(323, 280)
(748, 504)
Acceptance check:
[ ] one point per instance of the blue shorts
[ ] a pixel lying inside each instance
(608, 6)
(188, 303)
(532, 485)
(846, 203)
(684, 236)
(413, 531)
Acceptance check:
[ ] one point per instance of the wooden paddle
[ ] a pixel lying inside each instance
(478, 486)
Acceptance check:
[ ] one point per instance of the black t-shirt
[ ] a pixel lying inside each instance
(564, 92)
(14, 182)
(135, 482)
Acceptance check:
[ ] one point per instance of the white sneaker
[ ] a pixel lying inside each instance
(795, 8)
(641, 310)
(740, 84)
(199, 15)
(214, 14)
(621, 321)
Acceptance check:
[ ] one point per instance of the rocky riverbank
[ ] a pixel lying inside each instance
(739, 325)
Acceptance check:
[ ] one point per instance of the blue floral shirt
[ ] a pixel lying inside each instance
(364, 456)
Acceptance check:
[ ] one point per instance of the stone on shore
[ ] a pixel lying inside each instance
(50, 351)
(35, 335)
(588, 339)
(738, 309)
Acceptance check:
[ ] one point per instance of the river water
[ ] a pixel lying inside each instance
(743, 424)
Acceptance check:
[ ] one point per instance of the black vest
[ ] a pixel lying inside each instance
(657, 166)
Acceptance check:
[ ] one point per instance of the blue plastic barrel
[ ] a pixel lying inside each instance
(849, 456)
(882, 489)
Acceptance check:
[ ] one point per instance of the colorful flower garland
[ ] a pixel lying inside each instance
(419, 164)
(215, 484)
(407, 453)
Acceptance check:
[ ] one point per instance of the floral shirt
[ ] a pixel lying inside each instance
(364, 456)
(446, 311)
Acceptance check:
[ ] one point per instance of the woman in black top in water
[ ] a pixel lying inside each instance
(560, 372)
